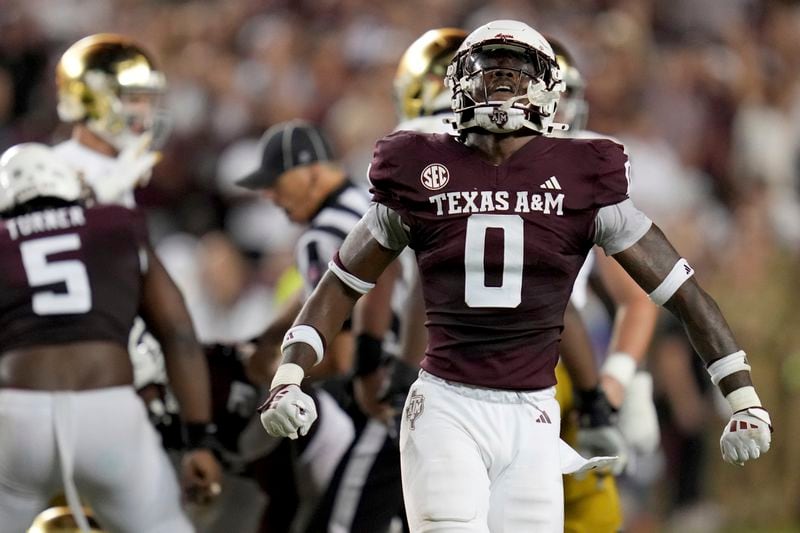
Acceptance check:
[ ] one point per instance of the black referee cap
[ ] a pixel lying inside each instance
(283, 147)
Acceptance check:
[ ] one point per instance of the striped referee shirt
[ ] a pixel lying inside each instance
(338, 215)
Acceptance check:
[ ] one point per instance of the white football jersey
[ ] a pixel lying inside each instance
(429, 124)
(92, 165)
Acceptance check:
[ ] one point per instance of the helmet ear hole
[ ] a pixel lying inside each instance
(69, 110)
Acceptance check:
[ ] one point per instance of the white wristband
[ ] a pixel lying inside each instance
(730, 364)
(676, 277)
(287, 374)
(743, 398)
(305, 334)
(620, 366)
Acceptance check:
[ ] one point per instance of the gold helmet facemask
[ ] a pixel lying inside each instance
(419, 88)
(573, 108)
(112, 85)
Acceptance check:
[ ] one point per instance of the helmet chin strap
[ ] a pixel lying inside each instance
(553, 126)
(511, 101)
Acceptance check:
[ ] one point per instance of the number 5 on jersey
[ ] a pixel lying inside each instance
(72, 273)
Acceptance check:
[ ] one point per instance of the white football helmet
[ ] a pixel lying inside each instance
(535, 73)
(32, 170)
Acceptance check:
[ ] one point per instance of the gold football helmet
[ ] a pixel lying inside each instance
(112, 84)
(60, 520)
(573, 108)
(419, 88)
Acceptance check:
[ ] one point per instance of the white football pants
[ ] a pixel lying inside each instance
(97, 441)
(480, 460)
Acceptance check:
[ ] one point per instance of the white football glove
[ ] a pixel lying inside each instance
(574, 463)
(604, 441)
(746, 436)
(638, 420)
(131, 169)
(288, 412)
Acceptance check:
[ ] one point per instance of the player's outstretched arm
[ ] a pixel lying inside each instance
(650, 262)
(288, 412)
(361, 261)
(668, 279)
(163, 309)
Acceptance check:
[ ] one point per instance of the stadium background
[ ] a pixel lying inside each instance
(704, 93)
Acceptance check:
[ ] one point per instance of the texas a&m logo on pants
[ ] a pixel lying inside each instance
(416, 404)
(434, 176)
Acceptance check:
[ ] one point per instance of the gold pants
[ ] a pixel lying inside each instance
(591, 504)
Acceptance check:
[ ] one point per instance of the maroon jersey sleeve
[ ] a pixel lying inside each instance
(611, 180)
(386, 171)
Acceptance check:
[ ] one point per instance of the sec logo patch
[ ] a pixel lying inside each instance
(434, 176)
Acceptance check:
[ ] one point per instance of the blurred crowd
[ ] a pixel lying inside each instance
(705, 95)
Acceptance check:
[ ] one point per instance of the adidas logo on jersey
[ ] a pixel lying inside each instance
(544, 418)
(551, 183)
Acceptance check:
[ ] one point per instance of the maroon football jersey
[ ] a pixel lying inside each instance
(498, 247)
(70, 274)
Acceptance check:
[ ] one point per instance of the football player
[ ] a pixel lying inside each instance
(75, 278)
(501, 218)
(366, 499)
(110, 90)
